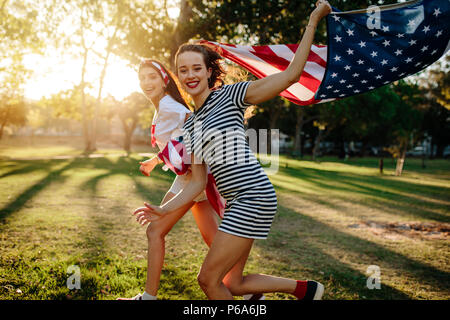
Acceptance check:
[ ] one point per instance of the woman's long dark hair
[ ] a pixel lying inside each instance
(211, 58)
(172, 88)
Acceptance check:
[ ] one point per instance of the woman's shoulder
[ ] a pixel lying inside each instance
(233, 86)
(169, 104)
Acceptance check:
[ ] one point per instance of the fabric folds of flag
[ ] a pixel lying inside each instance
(366, 49)
(264, 61)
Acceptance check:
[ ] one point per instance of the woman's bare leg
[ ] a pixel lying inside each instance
(156, 232)
(205, 217)
(230, 253)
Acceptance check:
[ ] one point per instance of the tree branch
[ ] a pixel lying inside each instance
(3, 6)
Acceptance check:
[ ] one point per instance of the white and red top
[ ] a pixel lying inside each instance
(168, 121)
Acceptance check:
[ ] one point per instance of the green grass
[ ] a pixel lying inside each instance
(57, 213)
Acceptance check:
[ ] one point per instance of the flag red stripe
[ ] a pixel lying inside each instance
(266, 53)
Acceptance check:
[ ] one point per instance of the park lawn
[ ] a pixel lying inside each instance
(332, 223)
(38, 147)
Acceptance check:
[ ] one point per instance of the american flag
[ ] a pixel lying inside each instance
(263, 61)
(366, 49)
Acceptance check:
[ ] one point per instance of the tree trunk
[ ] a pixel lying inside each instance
(179, 36)
(440, 150)
(85, 115)
(317, 144)
(301, 121)
(102, 78)
(2, 7)
(400, 162)
(381, 165)
(432, 144)
(128, 133)
(86, 122)
(298, 133)
(127, 142)
(4, 122)
(274, 115)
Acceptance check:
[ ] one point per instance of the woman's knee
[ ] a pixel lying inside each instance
(207, 279)
(155, 233)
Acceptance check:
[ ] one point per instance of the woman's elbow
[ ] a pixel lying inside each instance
(292, 78)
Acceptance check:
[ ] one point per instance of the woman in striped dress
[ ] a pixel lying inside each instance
(214, 136)
(159, 86)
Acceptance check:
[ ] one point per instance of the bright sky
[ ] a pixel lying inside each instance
(58, 71)
(53, 73)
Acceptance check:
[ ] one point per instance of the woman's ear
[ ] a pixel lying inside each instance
(209, 72)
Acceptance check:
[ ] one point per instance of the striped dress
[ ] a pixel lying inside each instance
(215, 133)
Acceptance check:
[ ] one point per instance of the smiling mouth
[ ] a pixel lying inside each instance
(192, 84)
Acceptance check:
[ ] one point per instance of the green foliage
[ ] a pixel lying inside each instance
(67, 104)
(132, 106)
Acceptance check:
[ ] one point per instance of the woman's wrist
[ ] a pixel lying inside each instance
(163, 209)
(313, 22)
(156, 160)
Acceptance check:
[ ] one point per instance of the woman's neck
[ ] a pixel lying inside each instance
(201, 98)
(156, 101)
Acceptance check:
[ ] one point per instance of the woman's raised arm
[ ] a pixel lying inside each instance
(269, 87)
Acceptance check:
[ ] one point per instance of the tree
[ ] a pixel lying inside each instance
(12, 112)
(129, 114)
(12, 102)
(20, 33)
(436, 84)
(66, 104)
(407, 125)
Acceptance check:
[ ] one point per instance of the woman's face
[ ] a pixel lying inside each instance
(192, 73)
(151, 83)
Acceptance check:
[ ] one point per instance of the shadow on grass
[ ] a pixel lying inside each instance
(100, 225)
(129, 167)
(25, 167)
(380, 192)
(310, 252)
(53, 176)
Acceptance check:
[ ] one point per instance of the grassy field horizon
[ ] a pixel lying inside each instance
(335, 219)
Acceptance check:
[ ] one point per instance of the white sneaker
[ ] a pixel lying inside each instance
(256, 296)
(137, 297)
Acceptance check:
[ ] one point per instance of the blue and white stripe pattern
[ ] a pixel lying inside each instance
(215, 134)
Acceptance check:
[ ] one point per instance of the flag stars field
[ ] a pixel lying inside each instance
(437, 12)
(421, 25)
